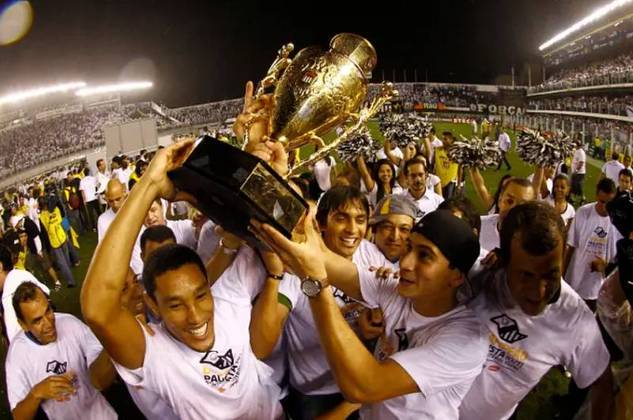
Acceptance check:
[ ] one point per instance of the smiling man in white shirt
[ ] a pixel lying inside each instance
(199, 359)
(426, 199)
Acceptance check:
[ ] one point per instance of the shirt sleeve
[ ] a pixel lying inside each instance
(454, 354)
(590, 357)
(572, 234)
(376, 292)
(290, 289)
(18, 385)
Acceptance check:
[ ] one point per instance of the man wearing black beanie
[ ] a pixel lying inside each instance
(433, 346)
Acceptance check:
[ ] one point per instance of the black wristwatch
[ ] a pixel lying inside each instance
(311, 287)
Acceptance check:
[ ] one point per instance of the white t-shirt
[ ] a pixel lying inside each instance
(428, 202)
(226, 382)
(309, 370)
(569, 213)
(592, 236)
(13, 280)
(549, 183)
(435, 143)
(322, 172)
(380, 154)
(103, 223)
(489, 235)
(124, 176)
(611, 170)
(432, 180)
(88, 185)
(28, 363)
(102, 182)
(504, 142)
(579, 156)
(523, 348)
(443, 354)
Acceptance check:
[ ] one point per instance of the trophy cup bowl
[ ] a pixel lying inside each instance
(314, 92)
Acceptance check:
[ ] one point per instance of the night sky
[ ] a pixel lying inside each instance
(198, 51)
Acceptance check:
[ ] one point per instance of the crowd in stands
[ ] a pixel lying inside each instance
(611, 71)
(596, 104)
(450, 95)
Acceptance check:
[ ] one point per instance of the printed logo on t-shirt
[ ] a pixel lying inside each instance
(600, 232)
(505, 355)
(225, 370)
(508, 329)
(58, 368)
(350, 308)
(385, 347)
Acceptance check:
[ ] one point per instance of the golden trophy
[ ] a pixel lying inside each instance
(315, 92)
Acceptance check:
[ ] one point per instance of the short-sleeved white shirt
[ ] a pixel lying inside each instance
(322, 170)
(569, 213)
(28, 363)
(523, 348)
(226, 382)
(442, 354)
(611, 170)
(489, 235)
(88, 185)
(308, 367)
(592, 236)
(103, 223)
(427, 203)
(579, 156)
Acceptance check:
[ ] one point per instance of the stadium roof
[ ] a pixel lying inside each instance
(603, 17)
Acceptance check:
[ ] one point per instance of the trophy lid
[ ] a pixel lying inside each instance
(357, 49)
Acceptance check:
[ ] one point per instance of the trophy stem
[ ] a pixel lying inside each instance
(386, 93)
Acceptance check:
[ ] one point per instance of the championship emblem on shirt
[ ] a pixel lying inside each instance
(225, 370)
(55, 367)
(508, 329)
(600, 232)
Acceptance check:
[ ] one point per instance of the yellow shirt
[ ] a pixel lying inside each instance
(21, 263)
(444, 167)
(53, 224)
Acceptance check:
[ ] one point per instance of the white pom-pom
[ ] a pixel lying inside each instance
(544, 150)
(475, 153)
(361, 143)
(404, 128)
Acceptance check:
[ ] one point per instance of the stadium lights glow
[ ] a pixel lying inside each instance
(592, 17)
(119, 87)
(40, 91)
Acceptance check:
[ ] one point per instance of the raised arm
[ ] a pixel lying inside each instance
(538, 180)
(365, 175)
(480, 187)
(269, 315)
(354, 367)
(115, 327)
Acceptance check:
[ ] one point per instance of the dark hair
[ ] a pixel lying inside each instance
(167, 258)
(381, 189)
(411, 162)
(463, 204)
(615, 156)
(26, 292)
(335, 198)
(6, 258)
(558, 178)
(351, 174)
(99, 161)
(158, 233)
(606, 185)
(625, 172)
(86, 171)
(539, 226)
(500, 187)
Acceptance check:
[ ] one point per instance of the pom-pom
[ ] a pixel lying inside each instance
(404, 128)
(475, 152)
(360, 143)
(544, 150)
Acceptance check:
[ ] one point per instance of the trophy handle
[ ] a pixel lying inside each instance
(276, 69)
(387, 92)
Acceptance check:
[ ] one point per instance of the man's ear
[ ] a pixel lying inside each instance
(151, 304)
